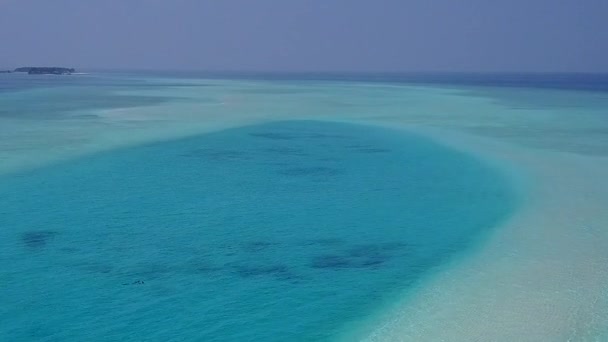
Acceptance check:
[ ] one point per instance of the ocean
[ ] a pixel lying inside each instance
(191, 207)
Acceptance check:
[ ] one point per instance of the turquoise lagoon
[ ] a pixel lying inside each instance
(280, 231)
(286, 229)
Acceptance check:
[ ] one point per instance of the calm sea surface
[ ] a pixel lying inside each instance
(280, 230)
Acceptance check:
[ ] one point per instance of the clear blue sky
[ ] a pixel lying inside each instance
(308, 35)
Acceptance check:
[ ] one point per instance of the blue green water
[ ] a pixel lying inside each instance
(50, 97)
(280, 231)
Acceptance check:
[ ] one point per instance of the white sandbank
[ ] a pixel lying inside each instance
(540, 277)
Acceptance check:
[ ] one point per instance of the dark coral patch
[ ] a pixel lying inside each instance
(373, 262)
(137, 282)
(37, 239)
(369, 256)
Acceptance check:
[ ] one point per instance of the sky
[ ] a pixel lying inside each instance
(308, 35)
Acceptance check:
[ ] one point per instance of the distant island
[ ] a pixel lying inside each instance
(46, 70)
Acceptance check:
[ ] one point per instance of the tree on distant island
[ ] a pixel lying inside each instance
(46, 70)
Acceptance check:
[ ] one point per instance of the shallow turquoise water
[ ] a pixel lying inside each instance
(281, 231)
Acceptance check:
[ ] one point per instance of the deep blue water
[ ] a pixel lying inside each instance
(565, 81)
(282, 231)
(21, 81)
